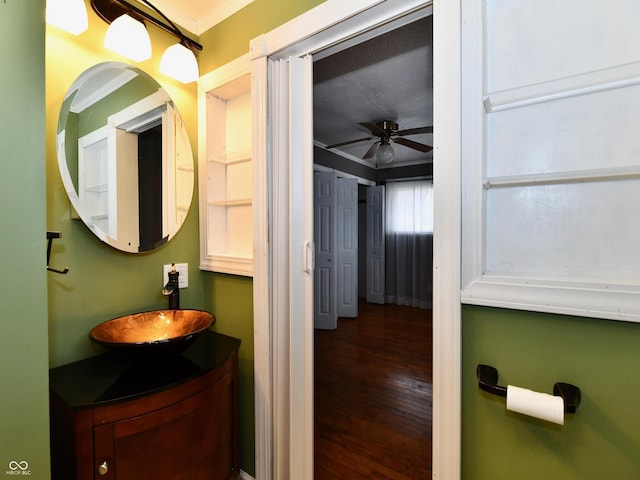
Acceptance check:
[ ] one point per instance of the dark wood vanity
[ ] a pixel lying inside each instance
(170, 418)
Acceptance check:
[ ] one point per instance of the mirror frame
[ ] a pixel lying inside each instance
(108, 155)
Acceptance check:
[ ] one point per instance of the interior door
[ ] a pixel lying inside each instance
(375, 244)
(292, 273)
(347, 247)
(325, 286)
(125, 158)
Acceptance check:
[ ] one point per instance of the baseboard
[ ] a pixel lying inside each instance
(245, 476)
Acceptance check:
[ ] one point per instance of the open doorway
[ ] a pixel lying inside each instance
(387, 78)
(283, 260)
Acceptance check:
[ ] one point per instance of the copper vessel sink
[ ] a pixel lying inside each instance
(154, 332)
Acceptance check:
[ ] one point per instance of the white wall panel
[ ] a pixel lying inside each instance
(579, 231)
(576, 133)
(532, 41)
(558, 228)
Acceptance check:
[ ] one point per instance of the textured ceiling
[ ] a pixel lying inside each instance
(389, 77)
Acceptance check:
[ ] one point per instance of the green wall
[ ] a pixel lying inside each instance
(24, 406)
(231, 297)
(534, 350)
(103, 282)
(230, 39)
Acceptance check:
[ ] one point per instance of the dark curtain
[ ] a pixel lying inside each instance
(409, 269)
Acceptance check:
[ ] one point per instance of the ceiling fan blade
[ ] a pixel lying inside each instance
(371, 152)
(415, 145)
(335, 145)
(375, 129)
(415, 131)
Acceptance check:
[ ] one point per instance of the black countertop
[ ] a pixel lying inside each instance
(110, 378)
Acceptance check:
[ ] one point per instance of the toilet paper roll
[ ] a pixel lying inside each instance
(535, 404)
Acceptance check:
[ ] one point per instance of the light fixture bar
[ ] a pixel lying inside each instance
(109, 10)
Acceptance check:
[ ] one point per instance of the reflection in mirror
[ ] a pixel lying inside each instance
(124, 157)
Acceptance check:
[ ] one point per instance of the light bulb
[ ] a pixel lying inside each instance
(384, 154)
(69, 15)
(128, 37)
(180, 63)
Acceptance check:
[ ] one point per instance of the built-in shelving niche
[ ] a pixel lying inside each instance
(226, 170)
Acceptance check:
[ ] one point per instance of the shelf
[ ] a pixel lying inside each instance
(556, 89)
(243, 202)
(578, 176)
(226, 172)
(102, 188)
(231, 160)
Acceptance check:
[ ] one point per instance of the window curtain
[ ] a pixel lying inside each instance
(409, 243)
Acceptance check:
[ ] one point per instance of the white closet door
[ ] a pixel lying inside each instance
(347, 247)
(325, 223)
(375, 244)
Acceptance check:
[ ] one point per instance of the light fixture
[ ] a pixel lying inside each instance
(69, 15)
(384, 154)
(178, 61)
(128, 37)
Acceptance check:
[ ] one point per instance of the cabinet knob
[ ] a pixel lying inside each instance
(103, 468)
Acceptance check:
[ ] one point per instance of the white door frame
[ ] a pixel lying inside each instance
(322, 27)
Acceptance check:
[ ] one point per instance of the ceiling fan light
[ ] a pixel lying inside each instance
(384, 154)
(69, 15)
(180, 63)
(128, 37)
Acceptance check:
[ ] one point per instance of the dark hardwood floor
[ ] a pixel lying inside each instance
(373, 379)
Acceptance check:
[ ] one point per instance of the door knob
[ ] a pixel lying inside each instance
(103, 468)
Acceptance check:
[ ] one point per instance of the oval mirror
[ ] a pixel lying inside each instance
(124, 157)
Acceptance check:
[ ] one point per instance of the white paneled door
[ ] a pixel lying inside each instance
(375, 244)
(335, 223)
(325, 237)
(347, 247)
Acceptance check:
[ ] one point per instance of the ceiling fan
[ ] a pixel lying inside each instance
(387, 132)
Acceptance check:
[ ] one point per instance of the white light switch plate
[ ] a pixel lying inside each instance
(183, 278)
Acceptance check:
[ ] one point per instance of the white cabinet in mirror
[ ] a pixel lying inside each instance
(125, 158)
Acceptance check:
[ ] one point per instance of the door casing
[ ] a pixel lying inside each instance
(318, 30)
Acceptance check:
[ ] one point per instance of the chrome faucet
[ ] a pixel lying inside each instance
(172, 289)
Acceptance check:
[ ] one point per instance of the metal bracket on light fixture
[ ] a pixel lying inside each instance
(127, 36)
(109, 10)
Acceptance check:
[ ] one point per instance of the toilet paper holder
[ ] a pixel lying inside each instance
(488, 381)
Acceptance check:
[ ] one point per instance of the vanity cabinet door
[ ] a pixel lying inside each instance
(188, 440)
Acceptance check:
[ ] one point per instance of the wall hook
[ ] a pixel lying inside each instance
(50, 237)
(488, 381)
